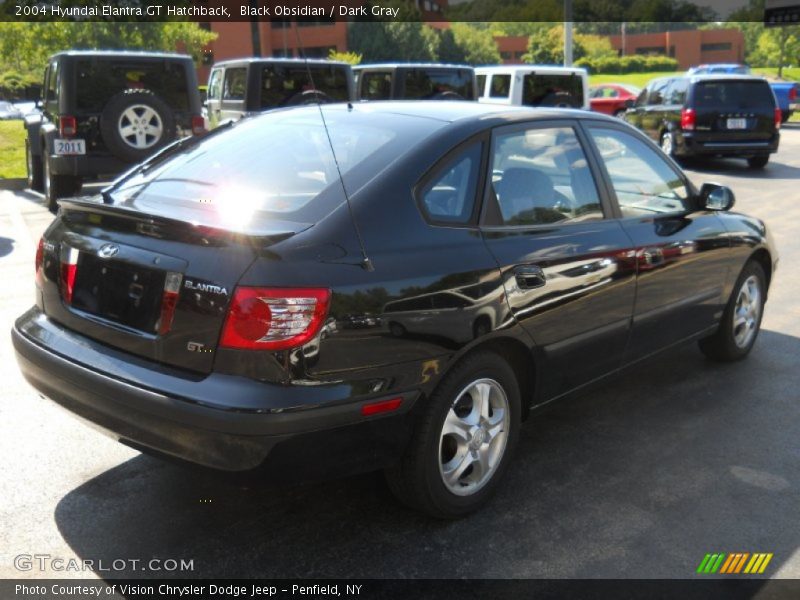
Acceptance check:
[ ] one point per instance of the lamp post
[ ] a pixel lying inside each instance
(567, 33)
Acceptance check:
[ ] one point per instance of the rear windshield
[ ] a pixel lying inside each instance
(552, 90)
(98, 80)
(282, 85)
(275, 166)
(734, 94)
(425, 84)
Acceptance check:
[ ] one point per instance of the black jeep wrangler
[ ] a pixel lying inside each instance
(103, 111)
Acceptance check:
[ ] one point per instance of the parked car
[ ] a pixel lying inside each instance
(533, 85)
(237, 88)
(27, 107)
(8, 111)
(613, 98)
(786, 92)
(173, 312)
(414, 81)
(710, 115)
(103, 111)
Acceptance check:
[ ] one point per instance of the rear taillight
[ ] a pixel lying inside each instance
(778, 117)
(67, 126)
(274, 318)
(198, 125)
(40, 262)
(793, 94)
(169, 300)
(687, 119)
(69, 269)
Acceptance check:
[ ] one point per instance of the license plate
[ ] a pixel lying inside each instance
(737, 123)
(70, 147)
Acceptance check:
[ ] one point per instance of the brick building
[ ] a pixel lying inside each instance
(689, 48)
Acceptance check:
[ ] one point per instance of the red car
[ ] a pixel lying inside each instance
(612, 98)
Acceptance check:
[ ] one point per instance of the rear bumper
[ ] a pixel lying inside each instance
(309, 441)
(688, 144)
(88, 165)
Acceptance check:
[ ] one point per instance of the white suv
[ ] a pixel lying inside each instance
(533, 85)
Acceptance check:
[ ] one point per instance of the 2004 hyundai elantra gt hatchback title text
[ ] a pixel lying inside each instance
(216, 305)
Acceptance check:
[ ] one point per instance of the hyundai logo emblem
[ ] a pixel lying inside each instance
(108, 250)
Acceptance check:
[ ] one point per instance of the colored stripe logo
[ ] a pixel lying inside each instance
(734, 563)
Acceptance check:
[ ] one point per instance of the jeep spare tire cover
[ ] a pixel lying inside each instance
(135, 124)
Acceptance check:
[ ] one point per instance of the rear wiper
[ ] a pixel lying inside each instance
(167, 151)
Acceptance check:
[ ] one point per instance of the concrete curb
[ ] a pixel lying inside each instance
(14, 185)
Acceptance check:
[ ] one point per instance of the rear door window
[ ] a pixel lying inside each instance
(97, 80)
(675, 94)
(376, 85)
(421, 84)
(235, 84)
(655, 95)
(215, 85)
(282, 85)
(500, 86)
(552, 90)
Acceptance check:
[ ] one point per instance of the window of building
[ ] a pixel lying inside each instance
(715, 47)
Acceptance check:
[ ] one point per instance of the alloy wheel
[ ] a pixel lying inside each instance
(140, 126)
(474, 437)
(747, 312)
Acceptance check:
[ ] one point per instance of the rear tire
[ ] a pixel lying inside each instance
(758, 162)
(463, 441)
(34, 168)
(57, 186)
(741, 320)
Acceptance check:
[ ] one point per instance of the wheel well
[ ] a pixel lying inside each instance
(480, 319)
(762, 257)
(521, 361)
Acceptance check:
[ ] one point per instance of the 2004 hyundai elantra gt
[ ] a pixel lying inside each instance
(226, 305)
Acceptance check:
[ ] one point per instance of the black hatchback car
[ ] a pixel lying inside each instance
(493, 258)
(710, 115)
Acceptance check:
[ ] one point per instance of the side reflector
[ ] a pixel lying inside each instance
(383, 406)
(198, 125)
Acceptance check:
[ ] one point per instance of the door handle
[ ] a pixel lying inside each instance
(529, 277)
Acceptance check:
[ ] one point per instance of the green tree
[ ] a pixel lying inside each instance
(351, 58)
(464, 43)
(778, 47)
(392, 41)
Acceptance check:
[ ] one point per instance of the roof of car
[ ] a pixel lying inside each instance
(724, 77)
(282, 60)
(411, 65)
(121, 54)
(528, 67)
(451, 111)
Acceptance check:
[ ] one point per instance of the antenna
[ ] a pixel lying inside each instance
(366, 263)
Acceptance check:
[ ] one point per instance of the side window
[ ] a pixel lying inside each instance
(215, 84)
(450, 195)
(376, 85)
(641, 99)
(481, 79)
(643, 181)
(656, 95)
(52, 83)
(235, 83)
(541, 176)
(677, 92)
(500, 86)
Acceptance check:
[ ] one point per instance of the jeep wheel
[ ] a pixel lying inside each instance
(34, 167)
(135, 124)
(57, 186)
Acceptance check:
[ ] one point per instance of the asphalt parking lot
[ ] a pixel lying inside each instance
(640, 478)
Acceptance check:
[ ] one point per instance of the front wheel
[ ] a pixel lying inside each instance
(741, 320)
(463, 441)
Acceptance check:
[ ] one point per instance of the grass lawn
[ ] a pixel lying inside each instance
(12, 150)
(789, 73)
(638, 79)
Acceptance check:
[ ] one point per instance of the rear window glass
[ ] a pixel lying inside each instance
(282, 86)
(431, 84)
(552, 90)
(98, 80)
(276, 166)
(734, 94)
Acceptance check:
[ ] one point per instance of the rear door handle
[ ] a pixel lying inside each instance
(529, 277)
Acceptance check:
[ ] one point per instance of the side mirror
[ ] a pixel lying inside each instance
(716, 197)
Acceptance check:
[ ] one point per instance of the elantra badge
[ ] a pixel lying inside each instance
(205, 287)
(108, 251)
